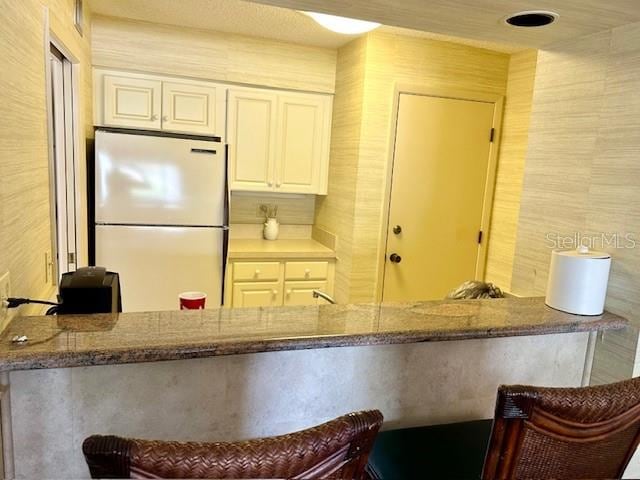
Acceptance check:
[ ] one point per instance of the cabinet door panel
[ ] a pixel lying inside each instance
(301, 121)
(301, 293)
(193, 108)
(263, 294)
(132, 102)
(251, 128)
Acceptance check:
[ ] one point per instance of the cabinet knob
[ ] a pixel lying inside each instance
(288, 292)
(275, 292)
(270, 184)
(154, 117)
(257, 273)
(278, 184)
(307, 272)
(165, 118)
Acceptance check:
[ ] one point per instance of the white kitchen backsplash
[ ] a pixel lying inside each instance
(292, 209)
(238, 231)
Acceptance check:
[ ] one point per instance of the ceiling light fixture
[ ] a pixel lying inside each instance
(347, 26)
(533, 18)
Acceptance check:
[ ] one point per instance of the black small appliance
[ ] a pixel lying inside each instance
(90, 290)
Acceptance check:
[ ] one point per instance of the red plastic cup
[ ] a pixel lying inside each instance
(192, 300)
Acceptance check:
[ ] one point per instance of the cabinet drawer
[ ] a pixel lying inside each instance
(253, 271)
(306, 270)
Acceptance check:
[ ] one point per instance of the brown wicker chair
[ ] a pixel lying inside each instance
(570, 433)
(560, 433)
(336, 449)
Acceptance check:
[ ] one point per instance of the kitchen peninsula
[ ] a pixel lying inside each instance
(239, 373)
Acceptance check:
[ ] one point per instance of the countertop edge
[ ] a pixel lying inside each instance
(125, 355)
(277, 255)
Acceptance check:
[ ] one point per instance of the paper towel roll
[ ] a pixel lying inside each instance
(578, 281)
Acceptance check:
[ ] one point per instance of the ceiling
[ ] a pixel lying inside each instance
(481, 19)
(254, 19)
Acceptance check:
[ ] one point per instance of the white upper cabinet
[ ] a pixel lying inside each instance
(151, 102)
(132, 102)
(278, 141)
(251, 126)
(302, 145)
(192, 108)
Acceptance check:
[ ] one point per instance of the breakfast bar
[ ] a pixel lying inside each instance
(228, 374)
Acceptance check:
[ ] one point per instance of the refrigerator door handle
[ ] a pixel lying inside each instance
(203, 150)
(227, 194)
(225, 249)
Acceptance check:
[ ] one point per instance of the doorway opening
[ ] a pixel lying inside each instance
(63, 154)
(440, 193)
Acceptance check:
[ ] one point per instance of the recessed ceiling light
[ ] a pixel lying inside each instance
(347, 26)
(533, 18)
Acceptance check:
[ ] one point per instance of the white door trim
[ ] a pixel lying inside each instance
(63, 163)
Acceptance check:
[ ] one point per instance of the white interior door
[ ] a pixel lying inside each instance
(440, 171)
(64, 163)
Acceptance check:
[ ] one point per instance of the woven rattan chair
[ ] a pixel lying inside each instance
(336, 449)
(560, 433)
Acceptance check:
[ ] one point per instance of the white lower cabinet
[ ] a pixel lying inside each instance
(270, 283)
(263, 294)
(301, 293)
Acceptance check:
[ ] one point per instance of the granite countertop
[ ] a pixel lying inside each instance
(289, 248)
(81, 340)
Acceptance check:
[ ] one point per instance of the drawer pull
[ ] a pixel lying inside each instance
(275, 292)
(257, 273)
(288, 292)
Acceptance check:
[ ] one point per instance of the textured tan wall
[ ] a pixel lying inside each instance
(582, 171)
(354, 208)
(513, 150)
(336, 211)
(25, 230)
(150, 47)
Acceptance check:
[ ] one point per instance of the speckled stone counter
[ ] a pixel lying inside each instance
(84, 340)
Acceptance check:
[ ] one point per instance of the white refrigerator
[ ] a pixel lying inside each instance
(161, 216)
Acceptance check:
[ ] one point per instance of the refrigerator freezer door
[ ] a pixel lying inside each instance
(153, 180)
(157, 263)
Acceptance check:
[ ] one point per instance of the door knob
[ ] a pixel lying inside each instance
(397, 229)
(395, 258)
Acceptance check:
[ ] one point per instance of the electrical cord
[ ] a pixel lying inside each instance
(13, 302)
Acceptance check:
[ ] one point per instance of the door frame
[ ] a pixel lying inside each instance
(454, 94)
(73, 185)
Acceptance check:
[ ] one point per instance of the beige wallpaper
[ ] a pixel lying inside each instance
(149, 47)
(360, 153)
(582, 171)
(25, 233)
(513, 150)
(336, 212)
